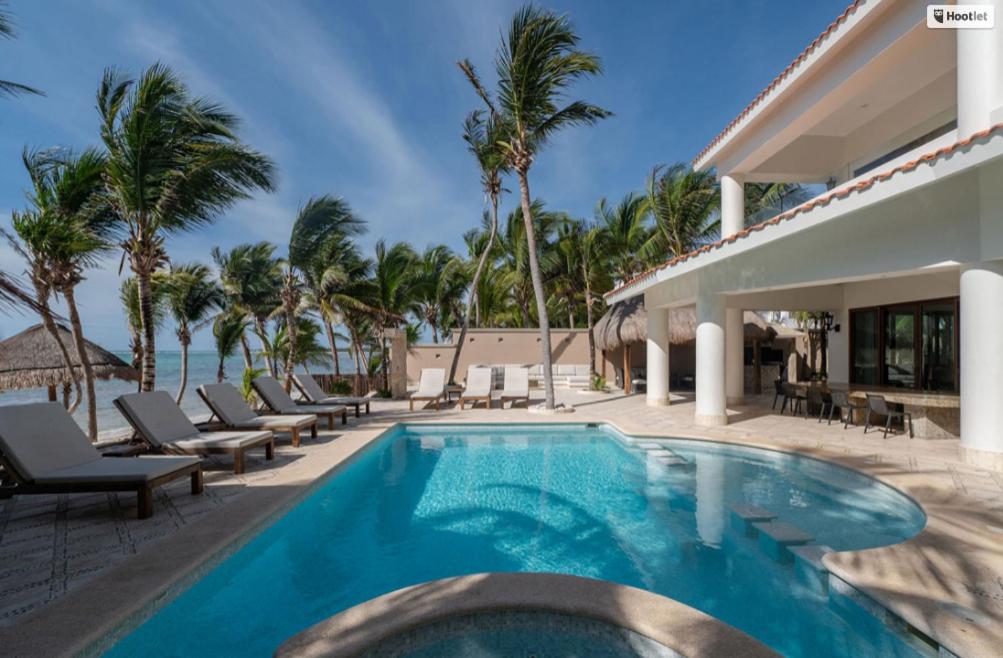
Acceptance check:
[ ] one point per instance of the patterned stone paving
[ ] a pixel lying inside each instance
(50, 545)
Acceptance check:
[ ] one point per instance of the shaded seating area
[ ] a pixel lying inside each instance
(46, 452)
(165, 428)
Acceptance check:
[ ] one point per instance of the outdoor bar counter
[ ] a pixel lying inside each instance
(935, 414)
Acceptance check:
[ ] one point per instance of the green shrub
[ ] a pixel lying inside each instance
(341, 387)
(385, 393)
(598, 383)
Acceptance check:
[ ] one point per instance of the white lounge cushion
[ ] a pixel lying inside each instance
(110, 469)
(563, 370)
(431, 384)
(516, 382)
(227, 403)
(582, 371)
(478, 382)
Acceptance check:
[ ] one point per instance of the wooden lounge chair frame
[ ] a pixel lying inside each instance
(348, 400)
(437, 398)
(473, 399)
(293, 429)
(321, 413)
(238, 452)
(513, 398)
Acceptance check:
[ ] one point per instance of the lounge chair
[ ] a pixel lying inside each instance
(45, 452)
(314, 394)
(227, 404)
(165, 428)
(478, 387)
(516, 386)
(275, 396)
(431, 387)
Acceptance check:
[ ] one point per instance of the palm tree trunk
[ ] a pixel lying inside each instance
(148, 378)
(357, 388)
(334, 347)
(50, 326)
(85, 362)
(588, 325)
(291, 356)
(541, 297)
(474, 287)
(248, 361)
(259, 327)
(220, 372)
(386, 361)
(184, 340)
(571, 312)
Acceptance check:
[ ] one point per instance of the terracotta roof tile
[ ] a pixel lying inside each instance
(783, 75)
(808, 206)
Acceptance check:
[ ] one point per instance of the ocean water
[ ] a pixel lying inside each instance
(429, 502)
(202, 367)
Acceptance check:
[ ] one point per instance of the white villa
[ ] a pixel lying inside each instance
(904, 126)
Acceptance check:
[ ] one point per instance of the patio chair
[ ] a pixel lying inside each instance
(314, 394)
(820, 400)
(795, 397)
(274, 395)
(228, 405)
(876, 404)
(842, 401)
(778, 393)
(166, 429)
(431, 387)
(45, 452)
(516, 386)
(478, 387)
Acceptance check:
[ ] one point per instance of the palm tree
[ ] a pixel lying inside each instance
(193, 297)
(71, 227)
(482, 138)
(307, 350)
(13, 294)
(174, 164)
(30, 227)
(227, 331)
(321, 222)
(395, 289)
(764, 200)
(536, 64)
(252, 280)
(595, 273)
(8, 88)
(437, 270)
(128, 294)
(684, 203)
(625, 231)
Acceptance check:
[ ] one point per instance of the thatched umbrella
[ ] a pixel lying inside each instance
(626, 323)
(31, 359)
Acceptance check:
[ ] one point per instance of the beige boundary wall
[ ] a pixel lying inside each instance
(499, 346)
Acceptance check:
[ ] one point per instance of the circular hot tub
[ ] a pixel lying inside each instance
(521, 614)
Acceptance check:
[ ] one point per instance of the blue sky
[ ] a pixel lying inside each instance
(364, 100)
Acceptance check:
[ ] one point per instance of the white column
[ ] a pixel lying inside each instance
(732, 204)
(981, 363)
(658, 357)
(734, 356)
(710, 403)
(980, 76)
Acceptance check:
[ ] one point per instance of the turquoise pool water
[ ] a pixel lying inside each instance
(428, 502)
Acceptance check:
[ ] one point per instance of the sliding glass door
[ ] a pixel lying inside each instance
(912, 345)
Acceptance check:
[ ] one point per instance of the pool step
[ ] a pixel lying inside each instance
(776, 538)
(743, 515)
(808, 567)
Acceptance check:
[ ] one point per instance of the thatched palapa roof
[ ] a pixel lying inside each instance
(31, 359)
(626, 322)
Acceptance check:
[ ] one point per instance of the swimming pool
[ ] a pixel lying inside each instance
(427, 502)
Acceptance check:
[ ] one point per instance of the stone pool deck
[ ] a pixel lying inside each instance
(75, 568)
